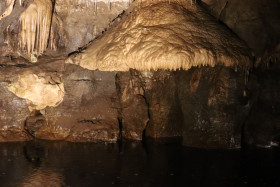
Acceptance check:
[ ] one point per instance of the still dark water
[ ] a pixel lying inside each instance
(41, 163)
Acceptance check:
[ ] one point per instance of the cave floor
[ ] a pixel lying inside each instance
(45, 163)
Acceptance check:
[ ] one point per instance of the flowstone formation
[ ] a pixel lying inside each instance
(149, 69)
(164, 36)
(35, 25)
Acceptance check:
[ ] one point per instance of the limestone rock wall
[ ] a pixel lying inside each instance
(206, 106)
(215, 107)
(84, 20)
(209, 107)
(255, 21)
(263, 124)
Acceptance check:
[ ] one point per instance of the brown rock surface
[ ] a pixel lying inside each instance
(207, 106)
(254, 21)
(84, 20)
(214, 112)
(262, 127)
(87, 112)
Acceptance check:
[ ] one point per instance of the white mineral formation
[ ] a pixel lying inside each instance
(35, 27)
(166, 36)
(39, 91)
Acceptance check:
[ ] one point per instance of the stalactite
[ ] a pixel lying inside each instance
(35, 27)
(95, 31)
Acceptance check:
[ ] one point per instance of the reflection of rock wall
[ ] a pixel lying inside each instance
(43, 177)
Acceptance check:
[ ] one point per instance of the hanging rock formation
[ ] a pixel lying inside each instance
(35, 27)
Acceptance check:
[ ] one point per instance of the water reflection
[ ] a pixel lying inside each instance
(34, 153)
(42, 177)
(41, 163)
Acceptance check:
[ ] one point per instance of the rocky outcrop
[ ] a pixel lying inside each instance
(215, 106)
(206, 106)
(88, 111)
(256, 22)
(161, 70)
(83, 110)
(149, 103)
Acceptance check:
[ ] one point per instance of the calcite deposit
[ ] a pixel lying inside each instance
(35, 24)
(163, 36)
(39, 91)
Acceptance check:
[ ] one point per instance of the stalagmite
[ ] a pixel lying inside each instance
(35, 27)
(8, 11)
(109, 4)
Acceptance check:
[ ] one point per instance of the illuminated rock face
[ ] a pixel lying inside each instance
(84, 20)
(89, 111)
(164, 36)
(67, 103)
(162, 69)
